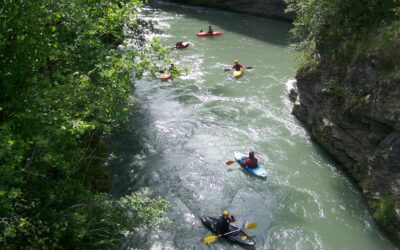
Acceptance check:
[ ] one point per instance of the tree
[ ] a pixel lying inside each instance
(337, 26)
(65, 82)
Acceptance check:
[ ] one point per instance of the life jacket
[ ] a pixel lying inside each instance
(237, 67)
(251, 162)
(223, 224)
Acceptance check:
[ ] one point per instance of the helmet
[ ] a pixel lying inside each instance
(236, 61)
(226, 212)
(251, 154)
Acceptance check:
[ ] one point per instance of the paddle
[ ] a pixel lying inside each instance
(231, 69)
(229, 162)
(212, 238)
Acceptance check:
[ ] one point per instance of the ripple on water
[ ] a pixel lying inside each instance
(293, 237)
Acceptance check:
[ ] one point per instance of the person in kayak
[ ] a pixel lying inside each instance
(224, 221)
(250, 161)
(236, 66)
(179, 44)
(210, 30)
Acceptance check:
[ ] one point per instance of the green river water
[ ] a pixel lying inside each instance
(184, 130)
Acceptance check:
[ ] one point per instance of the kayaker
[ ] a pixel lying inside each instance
(236, 66)
(210, 30)
(250, 161)
(224, 221)
(179, 44)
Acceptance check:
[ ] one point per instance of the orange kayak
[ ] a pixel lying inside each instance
(165, 76)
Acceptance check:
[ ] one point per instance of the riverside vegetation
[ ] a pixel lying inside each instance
(65, 83)
(348, 92)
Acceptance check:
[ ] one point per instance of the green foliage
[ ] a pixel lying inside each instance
(384, 212)
(337, 93)
(306, 59)
(336, 26)
(65, 82)
(387, 42)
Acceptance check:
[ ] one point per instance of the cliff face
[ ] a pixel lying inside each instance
(270, 8)
(354, 113)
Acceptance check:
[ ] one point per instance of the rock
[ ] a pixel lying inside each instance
(293, 95)
(357, 120)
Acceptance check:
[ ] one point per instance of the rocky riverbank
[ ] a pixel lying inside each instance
(354, 113)
(269, 8)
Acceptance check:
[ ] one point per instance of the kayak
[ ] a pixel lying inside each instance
(238, 237)
(258, 171)
(216, 33)
(165, 76)
(237, 73)
(184, 45)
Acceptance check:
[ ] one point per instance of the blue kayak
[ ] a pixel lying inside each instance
(257, 171)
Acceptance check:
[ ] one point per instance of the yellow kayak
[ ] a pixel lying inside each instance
(237, 73)
(165, 76)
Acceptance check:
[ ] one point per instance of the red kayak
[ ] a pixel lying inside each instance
(184, 45)
(216, 33)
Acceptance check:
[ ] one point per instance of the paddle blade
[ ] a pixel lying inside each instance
(229, 162)
(210, 239)
(249, 67)
(227, 70)
(251, 225)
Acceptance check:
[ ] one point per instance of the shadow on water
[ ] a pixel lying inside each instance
(130, 145)
(265, 29)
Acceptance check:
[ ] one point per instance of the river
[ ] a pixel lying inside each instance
(185, 130)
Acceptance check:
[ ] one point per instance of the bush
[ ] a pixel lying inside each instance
(339, 24)
(64, 84)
